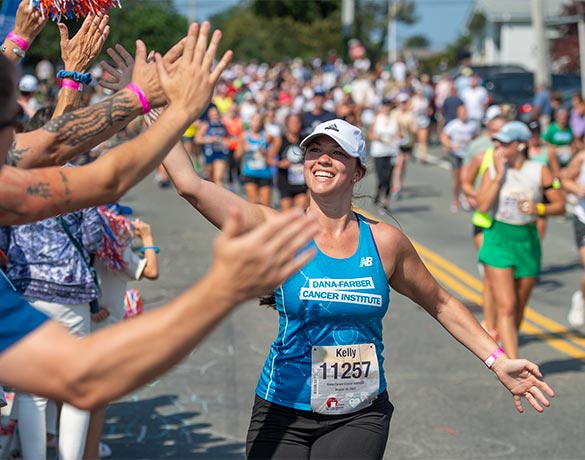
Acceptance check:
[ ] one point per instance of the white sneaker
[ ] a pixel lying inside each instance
(576, 316)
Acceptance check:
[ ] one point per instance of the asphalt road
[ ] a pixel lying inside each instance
(447, 404)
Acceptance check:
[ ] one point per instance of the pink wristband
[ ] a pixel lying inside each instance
(140, 95)
(71, 84)
(492, 358)
(18, 40)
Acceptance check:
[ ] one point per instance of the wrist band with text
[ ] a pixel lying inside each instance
(154, 248)
(18, 40)
(492, 358)
(141, 96)
(70, 84)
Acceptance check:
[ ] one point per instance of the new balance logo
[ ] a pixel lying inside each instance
(366, 262)
(332, 126)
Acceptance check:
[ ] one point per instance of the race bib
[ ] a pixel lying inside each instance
(257, 161)
(509, 207)
(345, 378)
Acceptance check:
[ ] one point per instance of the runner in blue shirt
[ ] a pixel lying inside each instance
(322, 391)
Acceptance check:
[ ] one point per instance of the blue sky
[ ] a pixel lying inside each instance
(441, 21)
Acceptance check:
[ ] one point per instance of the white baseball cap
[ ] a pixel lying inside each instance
(28, 84)
(492, 112)
(348, 136)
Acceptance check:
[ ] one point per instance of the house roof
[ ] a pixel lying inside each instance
(515, 10)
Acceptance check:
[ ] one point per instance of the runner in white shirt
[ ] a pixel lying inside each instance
(475, 98)
(456, 137)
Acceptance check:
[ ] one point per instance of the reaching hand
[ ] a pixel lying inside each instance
(121, 75)
(255, 263)
(523, 378)
(145, 73)
(142, 229)
(80, 51)
(193, 81)
(29, 22)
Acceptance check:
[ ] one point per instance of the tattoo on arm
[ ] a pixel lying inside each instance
(66, 191)
(78, 127)
(42, 189)
(15, 154)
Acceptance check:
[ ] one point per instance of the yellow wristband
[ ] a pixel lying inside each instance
(540, 209)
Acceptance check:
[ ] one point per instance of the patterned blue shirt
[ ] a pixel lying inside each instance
(43, 264)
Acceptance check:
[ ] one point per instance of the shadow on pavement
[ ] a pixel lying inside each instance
(553, 269)
(559, 366)
(158, 428)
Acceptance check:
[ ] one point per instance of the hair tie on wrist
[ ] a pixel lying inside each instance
(18, 41)
(70, 84)
(79, 77)
(156, 249)
(141, 97)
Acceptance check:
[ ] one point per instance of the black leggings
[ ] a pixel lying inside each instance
(384, 167)
(279, 432)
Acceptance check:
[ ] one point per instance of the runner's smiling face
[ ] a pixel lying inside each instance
(327, 166)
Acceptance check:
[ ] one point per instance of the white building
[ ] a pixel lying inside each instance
(507, 37)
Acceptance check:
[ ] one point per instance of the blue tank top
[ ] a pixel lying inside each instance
(216, 128)
(330, 302)
(254, 163)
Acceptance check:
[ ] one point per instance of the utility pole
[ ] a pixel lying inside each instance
(347, 20)
(191, 11)
(392, 35)
(581, 38)
(542, 73)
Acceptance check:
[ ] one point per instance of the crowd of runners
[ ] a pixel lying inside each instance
(246, 142)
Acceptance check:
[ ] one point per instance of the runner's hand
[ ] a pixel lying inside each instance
(524, 379)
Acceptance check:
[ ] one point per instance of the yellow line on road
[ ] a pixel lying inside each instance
(470, 288)
(452, 268)
(556, 342)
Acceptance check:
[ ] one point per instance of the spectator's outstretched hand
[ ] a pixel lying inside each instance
(28, 22)
(145, 73)
(258, 261)
(80, 51)
(119, 75)
(191, 85)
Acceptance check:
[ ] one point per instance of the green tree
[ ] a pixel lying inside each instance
(417, 41)
(276, 37)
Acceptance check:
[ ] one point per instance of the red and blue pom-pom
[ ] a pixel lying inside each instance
(55, 9)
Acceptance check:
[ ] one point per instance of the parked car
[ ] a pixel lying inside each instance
(486, 72)
(517, 90)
